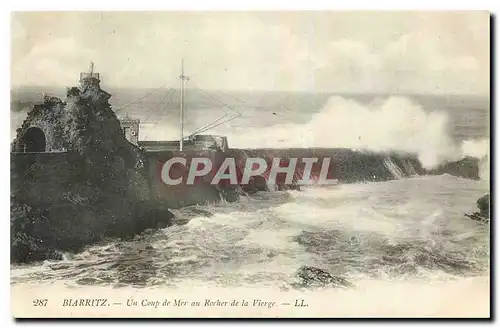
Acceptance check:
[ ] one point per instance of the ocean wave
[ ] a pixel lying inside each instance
(392, 124)
(396, 229)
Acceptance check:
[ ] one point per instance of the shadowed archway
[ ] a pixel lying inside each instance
(34, 140)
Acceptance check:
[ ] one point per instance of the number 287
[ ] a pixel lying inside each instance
(40, 302)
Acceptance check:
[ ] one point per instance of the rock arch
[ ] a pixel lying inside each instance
(34, 140)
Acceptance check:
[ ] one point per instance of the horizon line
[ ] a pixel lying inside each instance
(381, 93)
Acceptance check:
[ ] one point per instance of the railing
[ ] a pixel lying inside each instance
(174, 145)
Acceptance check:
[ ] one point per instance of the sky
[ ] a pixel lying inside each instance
(345, 52)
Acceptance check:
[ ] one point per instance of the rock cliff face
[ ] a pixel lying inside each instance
(483, 204)
(96, 185)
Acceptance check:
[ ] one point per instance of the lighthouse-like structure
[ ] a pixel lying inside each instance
(129, 126)
(89, 78)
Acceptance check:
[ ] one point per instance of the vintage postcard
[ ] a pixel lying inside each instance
(279, 164)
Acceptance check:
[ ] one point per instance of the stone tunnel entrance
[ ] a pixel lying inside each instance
(34, 140)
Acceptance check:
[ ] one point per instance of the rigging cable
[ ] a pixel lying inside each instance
(218, 121)
(170, 94)
(140, 98)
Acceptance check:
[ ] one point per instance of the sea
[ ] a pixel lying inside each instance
(405, 245)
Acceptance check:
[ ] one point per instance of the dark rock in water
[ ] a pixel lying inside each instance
(255, 184)
(230, 194)
(151, 214)
(194, 211)
(311, 277)
(87, 281)
(483, 205)
(467, 167)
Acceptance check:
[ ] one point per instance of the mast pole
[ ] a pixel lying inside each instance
(181, 141)
(183, 78)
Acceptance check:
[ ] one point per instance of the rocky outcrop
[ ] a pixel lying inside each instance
(483, 204)
(467, 167)
(349, 166)
(311, 277)
(96, 187)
